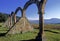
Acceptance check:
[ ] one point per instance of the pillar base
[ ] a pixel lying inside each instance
(41, 37)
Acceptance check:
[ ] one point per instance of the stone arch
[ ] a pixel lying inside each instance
(19, 8)
(40, 4)
(33, 12)
(16, 11)
(29, 3)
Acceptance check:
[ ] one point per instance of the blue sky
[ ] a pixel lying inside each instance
(52, 8)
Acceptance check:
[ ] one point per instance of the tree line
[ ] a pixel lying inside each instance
(3, 17)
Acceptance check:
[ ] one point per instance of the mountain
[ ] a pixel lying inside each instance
(47, 21)
(52, 21)
(34, 21)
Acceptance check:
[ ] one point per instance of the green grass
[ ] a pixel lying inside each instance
(18, 37)
(50, 34)
(53, 36)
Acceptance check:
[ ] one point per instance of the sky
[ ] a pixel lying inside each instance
(52, 8)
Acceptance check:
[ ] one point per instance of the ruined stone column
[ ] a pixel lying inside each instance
(11, 19)
(9, 22)
(41, 27)
(41, 6)
(14, 18)
(23, 13)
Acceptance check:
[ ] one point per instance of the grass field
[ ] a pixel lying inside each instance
(51, 34)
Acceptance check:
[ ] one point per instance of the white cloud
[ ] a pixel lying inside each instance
(33, 18)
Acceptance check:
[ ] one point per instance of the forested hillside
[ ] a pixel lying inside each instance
(3, 17)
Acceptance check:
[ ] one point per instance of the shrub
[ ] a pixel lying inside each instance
(0, 25)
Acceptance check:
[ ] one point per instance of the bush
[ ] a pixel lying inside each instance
(0, 25)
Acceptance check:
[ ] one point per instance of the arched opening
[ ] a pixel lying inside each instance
(32, 12)
(40, 6)
(17, 14)
(33, 17)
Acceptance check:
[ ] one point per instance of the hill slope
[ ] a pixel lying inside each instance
(47, 21)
